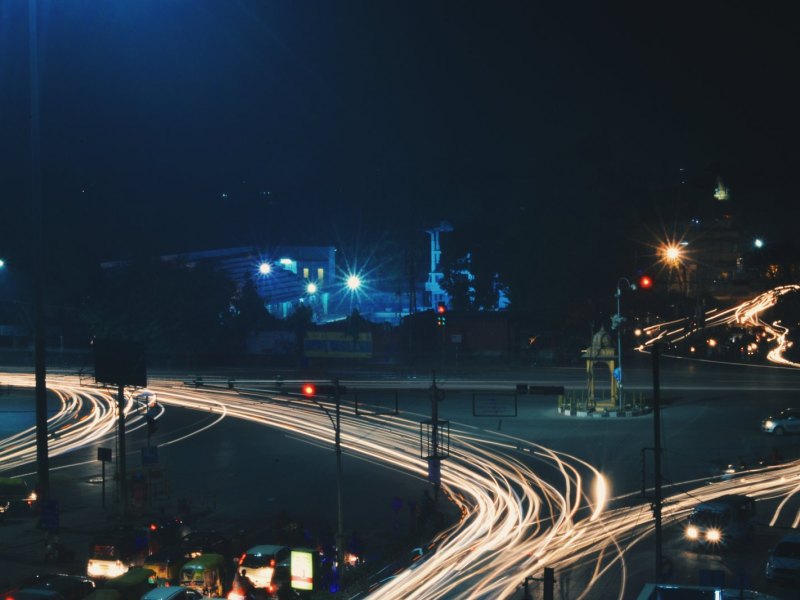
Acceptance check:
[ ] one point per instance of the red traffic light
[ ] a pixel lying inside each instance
(309, 389)
(645, 282)
(441, 308)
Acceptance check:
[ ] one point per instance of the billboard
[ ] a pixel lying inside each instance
(119, 362)
(302, 569)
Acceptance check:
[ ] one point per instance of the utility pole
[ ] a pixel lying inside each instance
(435, 436)
(340, 518)
(657, 458)
(434, 440)
(40, 338)
(121, 469)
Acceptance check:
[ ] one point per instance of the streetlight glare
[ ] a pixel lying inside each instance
(758, 243)
(673, 253)
(264, 268)
(311, 288)
(353, 282)
(2, 263)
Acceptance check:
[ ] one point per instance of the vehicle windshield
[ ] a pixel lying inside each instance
(710, 518)
(192, 576)
(104, 551)
(254, 562)
(787, 550)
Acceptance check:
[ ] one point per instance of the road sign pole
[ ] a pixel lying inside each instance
(123, 485)
(657, 458)
(340, 518)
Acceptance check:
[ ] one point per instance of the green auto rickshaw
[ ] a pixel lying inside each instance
(132, 584)
(207, 574)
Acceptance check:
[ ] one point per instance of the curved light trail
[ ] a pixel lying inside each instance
(522, 506)
(746, 314)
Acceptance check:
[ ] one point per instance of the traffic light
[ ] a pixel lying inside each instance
(441, 312)
(310, 389)
(645, 282)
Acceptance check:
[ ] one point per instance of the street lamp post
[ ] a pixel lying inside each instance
(617, 322)
(336, 420)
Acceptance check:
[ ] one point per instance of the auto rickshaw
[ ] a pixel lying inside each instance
(207, 574)
(133, 584)
(167, 564)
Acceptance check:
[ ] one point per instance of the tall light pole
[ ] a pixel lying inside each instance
(39, 340)
(617, 322)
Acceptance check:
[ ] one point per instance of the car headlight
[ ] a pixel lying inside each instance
(692, 532)
(769, 424)
(714, 535)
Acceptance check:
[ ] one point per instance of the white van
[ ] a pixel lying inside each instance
(266, 565)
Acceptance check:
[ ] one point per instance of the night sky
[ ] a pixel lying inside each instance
(182, 125)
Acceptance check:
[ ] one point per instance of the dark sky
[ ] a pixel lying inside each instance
(186, 124)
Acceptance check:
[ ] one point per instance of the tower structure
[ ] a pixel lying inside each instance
(433, 286)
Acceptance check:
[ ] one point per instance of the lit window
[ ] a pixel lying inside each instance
(320, 273)
(305, 272)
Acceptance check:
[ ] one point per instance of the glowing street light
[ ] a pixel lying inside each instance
(353, 282)
(265, 268)
(311, 288)
(673, 254)
(758, 243)
(2, 263)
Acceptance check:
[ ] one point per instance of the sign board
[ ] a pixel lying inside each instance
(118, 362)
(302, 569)
(494, 404)
(104, 454)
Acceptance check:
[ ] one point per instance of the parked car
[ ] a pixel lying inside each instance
(786, 421)
(783, 563)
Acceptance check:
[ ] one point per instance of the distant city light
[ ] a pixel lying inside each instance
(311, 288)
(758, 243)
(353, 282)
(265, 268)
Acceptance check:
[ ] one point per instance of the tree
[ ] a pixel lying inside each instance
(175, 309)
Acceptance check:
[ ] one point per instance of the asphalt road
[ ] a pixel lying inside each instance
(249, 474)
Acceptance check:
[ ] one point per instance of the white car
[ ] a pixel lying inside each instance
(783, 563)
(786, 421)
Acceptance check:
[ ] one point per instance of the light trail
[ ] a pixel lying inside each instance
(746, 314)
(522, 506)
